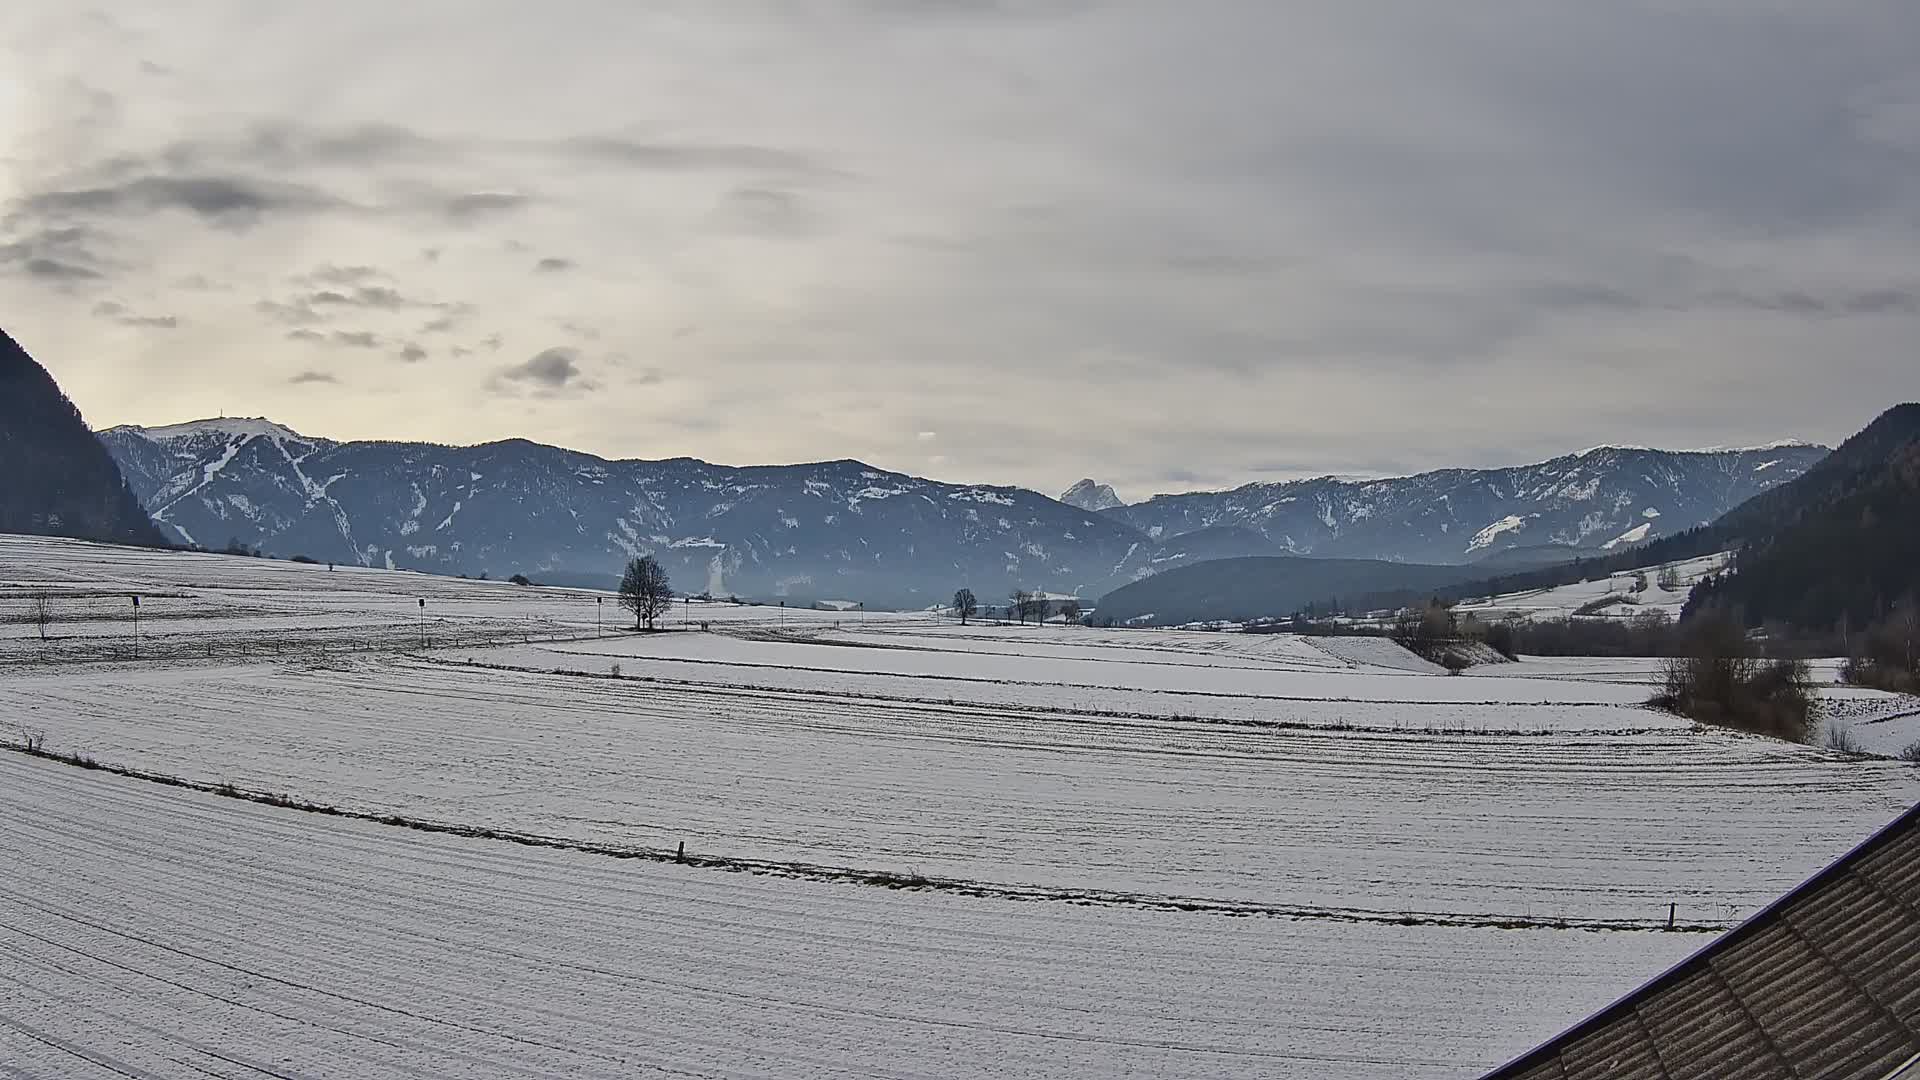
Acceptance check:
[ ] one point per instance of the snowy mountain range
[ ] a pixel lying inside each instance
(846, 530)
(1605, 498)
(828, 530)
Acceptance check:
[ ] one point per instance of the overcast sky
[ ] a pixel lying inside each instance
(1167, 245)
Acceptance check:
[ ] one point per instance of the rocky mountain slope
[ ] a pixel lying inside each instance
(1087, 495)
(55, 477)
(828, 530)
(1601, 499)
(845, 530)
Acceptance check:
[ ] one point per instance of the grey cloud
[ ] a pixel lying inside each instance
(306, 377)
(288, 146)
(483, 203)
(552, 265)
(117, 312)
(39, 266)
(635, 153)
(294, 313)
(366, 296)
(765, 210)
(231, 201)
(348, 339)
(1604, 297)
(412, 352)
(59, 254)
(548, 372)
(329, 274)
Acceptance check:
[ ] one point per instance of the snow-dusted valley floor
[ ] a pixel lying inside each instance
(1123, 852)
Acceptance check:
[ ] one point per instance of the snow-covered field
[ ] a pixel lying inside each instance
(1434, 872)
(1587, 597)
(152, 932)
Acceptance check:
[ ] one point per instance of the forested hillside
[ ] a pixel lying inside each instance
(56, 479)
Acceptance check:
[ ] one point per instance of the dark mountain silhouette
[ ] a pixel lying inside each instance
(59, 479)
(1842, 543)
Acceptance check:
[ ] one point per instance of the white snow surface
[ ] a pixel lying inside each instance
(1560, 602)
(1521, 822)
(145, 930)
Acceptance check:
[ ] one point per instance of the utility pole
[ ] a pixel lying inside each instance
(783, 614)
(423, 622)
(599, 605)
(136, 626)
(686, 612)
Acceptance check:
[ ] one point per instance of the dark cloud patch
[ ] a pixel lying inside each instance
(546, 373)
(639, 154)
(1578, 296)
(225, 200)
(338, 339)
(305, 377)
(55, 255)
(329, 274)
(293, 313)
(47, 269)
(286, 146)
(766, 211)
(552, 265)
(442, 325)
(114, 311)
(412, 352)
(482, 204)
(365, 296)
(1827, 304)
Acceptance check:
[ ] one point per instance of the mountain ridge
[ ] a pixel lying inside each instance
(833, 529)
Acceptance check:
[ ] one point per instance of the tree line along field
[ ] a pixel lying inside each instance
(910, 848)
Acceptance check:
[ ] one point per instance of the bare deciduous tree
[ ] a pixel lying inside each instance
(965, 606)
(41, 611)
(1021, 603)
(645, 591)
(1070, 611)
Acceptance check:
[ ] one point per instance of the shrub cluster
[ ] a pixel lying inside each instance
(1887, 656)
(1719, 680)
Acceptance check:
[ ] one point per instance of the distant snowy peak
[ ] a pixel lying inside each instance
(228, 427)
(1761, 448)
(1092, 497)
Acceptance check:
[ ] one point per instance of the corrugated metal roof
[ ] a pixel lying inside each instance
(1824, 983)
